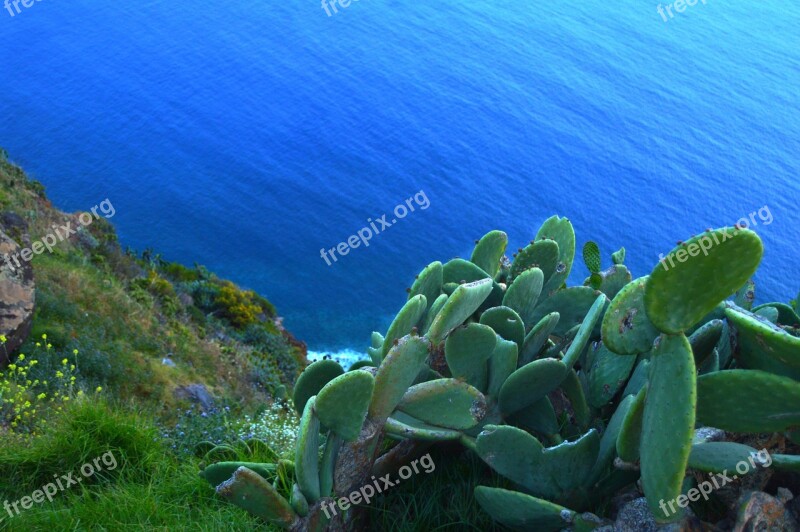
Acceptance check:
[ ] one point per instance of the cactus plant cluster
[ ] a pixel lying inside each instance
(571, 393)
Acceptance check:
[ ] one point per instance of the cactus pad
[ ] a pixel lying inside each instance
(537, 337)
(560, 230)
(612, 280)
(511, 452)
(668, 423)
(306, 458)
(748, 401)
(313, 379)
(502, 364)
(608, 443)
(461, 305)
(591, 256)
(405, 426)
(573, 389)
(539, 417)
(328, 465)
(530, 383)
(523, 512)
(681, 292)
(608, 374)
(218, 473)
(717, 457)
(765, 346)
(705, 339)
(626, 330)
(505, 322)
(408, 318)
(462, 271)
(428, 283)
(298, 501)
(489, 250)
(447, 403)
(571, 303)
(397, 372)
(630, 434)
(584, 332)
(342, 404)
(467, 351)
(433, 311)
(523, 294)
(250, 491)
(542, 254)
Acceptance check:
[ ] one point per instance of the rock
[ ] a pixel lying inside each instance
(784, 496)
(759, 511)
(196, 393)
(636, 517)
(17, 298)
(708, 434)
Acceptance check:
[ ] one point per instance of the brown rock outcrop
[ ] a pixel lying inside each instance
(17, 298)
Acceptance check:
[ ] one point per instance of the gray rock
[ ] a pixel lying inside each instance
(197, 393)
(708, 434)
(636, 517)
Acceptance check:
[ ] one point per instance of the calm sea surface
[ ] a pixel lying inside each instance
(246, 136)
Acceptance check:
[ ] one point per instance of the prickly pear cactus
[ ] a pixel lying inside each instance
(570, 393)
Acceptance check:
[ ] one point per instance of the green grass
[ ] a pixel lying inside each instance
(150, 488)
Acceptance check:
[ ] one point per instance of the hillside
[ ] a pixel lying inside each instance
(151, 354)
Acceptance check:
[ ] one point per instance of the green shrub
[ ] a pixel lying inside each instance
(240, 307)
(180, 273)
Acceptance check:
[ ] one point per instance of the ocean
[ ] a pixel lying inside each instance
(248, 136)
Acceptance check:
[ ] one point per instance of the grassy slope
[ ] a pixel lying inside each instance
(93, 297)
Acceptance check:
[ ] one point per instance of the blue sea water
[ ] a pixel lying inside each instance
(246, 135)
